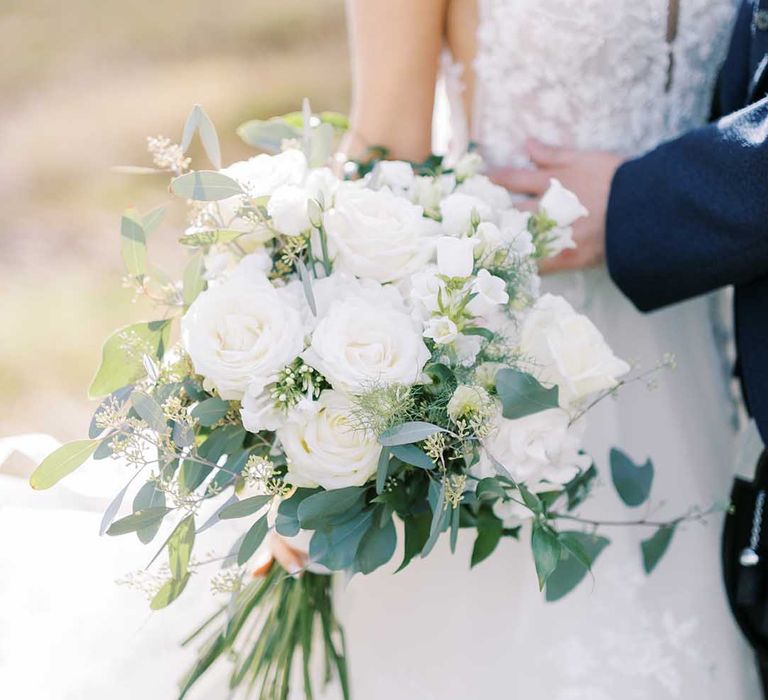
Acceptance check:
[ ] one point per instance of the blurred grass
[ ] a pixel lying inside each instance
(83, 84)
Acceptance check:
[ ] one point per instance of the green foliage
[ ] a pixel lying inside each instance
(210, 411)
(417, 529)
(579, 552)
(122, 355)
(655, 547)
(407, 433)
(116, 400)
(336, 546)
(633, 482)
(546, 551)
(193, 281)
(376, 547)
(198, 121)
(415, 456)
(253, 539)
(267, 135)
(148, 496)
(382, 471)
(168, 592)
(489, 531)
(204, 239)
(241, 509)
(180, 546)
(149, 411)
(138, 520)
(205, 186)
(61, 462)
(133, 243)
(580, 487)
(320, 508)
(522, 394)
(287, 521)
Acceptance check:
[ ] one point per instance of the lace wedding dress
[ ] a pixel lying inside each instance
(608, 74)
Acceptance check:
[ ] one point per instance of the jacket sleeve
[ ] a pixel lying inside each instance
(692, 215)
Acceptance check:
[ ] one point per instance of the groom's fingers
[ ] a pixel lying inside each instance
(521, 180)
(543, 156)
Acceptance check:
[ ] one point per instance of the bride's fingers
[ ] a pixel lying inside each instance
(544, 156)
(521, 180)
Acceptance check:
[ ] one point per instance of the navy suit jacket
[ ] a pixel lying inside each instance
(692, 215)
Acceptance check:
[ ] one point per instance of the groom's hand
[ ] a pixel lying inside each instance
(586, 173)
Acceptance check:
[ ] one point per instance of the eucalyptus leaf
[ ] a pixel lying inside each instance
(214, 517)
(316, 510)
(180, 547)
(193, 281)
(205, 186)
(210, 411)
(133, 243)
(244, 508)
(112, 509)
(149, 411)
(632, 481)
(267, 135)
(580, 549)
(209, 138)
(121, 362)
(306, 284)
(407, 433)
(546, 551)
(148, 496)
(656, 546)
(253, 539)
(287, 521)
(382, 471)
(321, 145)
(415, 456)
(168, 592)
(61, 462)
(138, 520)
(376, 547)
(203, 239)
(522, 394)
(151, 221)
(336, 547)
(416, 536)
(489, 531)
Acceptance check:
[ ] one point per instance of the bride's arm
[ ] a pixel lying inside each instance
(395, 49)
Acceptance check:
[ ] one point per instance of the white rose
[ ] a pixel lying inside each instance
(241, 332)
(395, 174)
(562, 205)
(367, 340)
(263, 174)
(324, 448)
(481, 187)
(542, 447)
(491, 292)
(287, 207)
(373, 233)
(457, 210)
(455, 256)
(442, 330)
(568, 350)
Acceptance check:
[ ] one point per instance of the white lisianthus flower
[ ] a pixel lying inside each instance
(240, 333)
(263, 174)
(455, 256)
(467, 348)
(559, 239)
(367, 340)
(542, 447)
(375, 234)
(457, 210)
(396, 174)
(425, 288)
(562, 205)
(468, 165)
(321, 185)
(427, 191)
(259, 411)
(324, 448)
(254, 266)
(491, 292)
(287, 207)
(493, 195)
(568, 350)
(469, 400)
(441, 329)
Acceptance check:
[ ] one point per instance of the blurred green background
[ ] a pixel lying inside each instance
(83, 83)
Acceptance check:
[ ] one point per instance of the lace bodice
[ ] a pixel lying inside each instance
(594, 73)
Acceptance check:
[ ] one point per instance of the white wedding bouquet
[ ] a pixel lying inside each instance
(345, 352)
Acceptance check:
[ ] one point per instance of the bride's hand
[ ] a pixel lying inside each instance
(278, 550)
(586, 173)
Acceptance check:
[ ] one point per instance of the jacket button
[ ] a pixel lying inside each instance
(761, 20)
